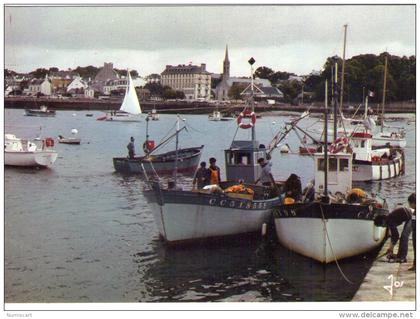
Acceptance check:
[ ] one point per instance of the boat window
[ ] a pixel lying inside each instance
(344, 164)
(362, 143)
(321, 164)
(332, 164)
(243, 158)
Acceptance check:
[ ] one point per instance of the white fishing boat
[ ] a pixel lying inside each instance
(190, 215)
(371, 164)
(130, 109)
(215, 116)
(339, 221)
(27, 153)
(394, 139)
(153, 115)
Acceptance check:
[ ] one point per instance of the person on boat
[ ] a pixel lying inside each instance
(202, 176)
(394, 219)
(293, 187)
(412, 203)
(214, 172)
(266, 178)
(130, 147)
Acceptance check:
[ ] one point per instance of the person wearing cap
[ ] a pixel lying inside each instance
(266, 178)
(214, 172)
(202, 176)
(130, 147)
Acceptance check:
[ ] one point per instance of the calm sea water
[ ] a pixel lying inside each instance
(80, 232)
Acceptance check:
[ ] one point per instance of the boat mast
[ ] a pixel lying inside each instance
(342, 69)
(176, 150)
(326, 142)
(251, 61)
(383, 94)
(335, 88)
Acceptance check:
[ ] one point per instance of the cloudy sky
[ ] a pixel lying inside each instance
(146, 38)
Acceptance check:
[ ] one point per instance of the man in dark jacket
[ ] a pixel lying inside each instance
(202, 176)
(130, 147)
(394, 219)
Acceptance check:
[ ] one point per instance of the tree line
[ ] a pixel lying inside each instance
(363, 73)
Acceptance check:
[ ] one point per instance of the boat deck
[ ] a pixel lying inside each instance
(372, 288)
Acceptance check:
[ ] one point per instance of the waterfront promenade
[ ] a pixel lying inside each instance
(379, 276)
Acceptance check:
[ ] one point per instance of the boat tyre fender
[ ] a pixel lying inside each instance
(246, 125)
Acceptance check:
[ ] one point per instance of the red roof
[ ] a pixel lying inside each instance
(361, 135)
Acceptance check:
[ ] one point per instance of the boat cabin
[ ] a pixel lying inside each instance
(361, 143)
(242, 161)
(339, 175)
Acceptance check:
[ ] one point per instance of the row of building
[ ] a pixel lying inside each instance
(193, 80)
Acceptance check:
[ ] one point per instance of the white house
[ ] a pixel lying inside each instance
(77, 84)
(46, 86)
(89, 93)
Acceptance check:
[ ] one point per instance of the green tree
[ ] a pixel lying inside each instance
(39, 73)
(263, 72)
(236, 90)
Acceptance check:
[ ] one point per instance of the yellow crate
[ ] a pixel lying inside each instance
(243, 196)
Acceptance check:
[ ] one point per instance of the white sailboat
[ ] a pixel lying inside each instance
(130, 109)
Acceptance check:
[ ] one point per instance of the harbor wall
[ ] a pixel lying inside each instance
(183, 106)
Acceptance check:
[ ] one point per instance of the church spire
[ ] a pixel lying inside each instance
(226, 65)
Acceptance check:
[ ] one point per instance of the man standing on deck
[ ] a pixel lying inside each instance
(202, 176)
(266, 178)
(214, 172)
(130, 148)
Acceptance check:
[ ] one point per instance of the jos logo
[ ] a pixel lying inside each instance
(393, 284)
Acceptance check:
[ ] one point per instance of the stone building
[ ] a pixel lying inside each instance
(193, 80)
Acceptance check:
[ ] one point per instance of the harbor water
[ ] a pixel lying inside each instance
(79, 232)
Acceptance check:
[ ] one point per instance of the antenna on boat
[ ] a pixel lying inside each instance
(342, 69)
(384, 93)
(325, 199)
(176, 150)
(251, 62)
(335, 93)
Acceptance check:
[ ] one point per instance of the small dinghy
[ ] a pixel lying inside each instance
(69, 140)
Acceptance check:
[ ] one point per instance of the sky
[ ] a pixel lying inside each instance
(146, 38)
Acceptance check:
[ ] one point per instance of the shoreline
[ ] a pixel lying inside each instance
(184, 107)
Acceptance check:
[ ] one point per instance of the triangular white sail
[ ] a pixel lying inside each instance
(131, 103)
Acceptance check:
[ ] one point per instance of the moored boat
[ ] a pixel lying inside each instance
(190, 215)
(26, 153)
(333, 220)
(69, 140)
(42, 112)
(161, 164)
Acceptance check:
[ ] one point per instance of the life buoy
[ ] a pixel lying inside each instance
(148, 146)
(49, 142)
(339, 144)
(246, 125)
